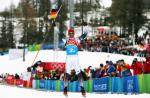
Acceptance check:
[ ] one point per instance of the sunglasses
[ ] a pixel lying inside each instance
(71, 33)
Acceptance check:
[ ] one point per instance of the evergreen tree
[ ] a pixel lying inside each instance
(128, 14)
(6, 36)
(28, 15)
(3, 37)
(10, 35)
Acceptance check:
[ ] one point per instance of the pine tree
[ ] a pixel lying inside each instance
(126, 13)
(10, 35)
(3, 37)
(28, 15)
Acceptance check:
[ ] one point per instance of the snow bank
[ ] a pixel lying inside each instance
(86, 59)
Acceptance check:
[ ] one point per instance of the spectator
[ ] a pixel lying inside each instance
(106, 68)
(137, 67)
(111, 69)
(88, 72)
(123, 69)
(102, 71)
(73, 76)
(97, 73)
(147, 64)
(17, 76)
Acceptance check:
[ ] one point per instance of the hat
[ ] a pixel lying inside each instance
(107, 61)
(135, 59)
(101, 65)
(121, 60)
(110, 62)
(71, 30)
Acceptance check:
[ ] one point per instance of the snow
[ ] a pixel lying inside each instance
(14, 92)
(86, 59)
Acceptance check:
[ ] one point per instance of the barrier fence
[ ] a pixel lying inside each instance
(132, 84)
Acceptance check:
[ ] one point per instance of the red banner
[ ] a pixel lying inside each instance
(54, 66)
(19, 82)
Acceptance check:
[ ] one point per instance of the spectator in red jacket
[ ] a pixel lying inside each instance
(147, 64)
(137, 67)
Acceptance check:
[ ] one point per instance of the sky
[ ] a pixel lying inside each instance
(106, 3)
(6, 3)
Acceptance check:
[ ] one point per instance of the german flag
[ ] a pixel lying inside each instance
(53, 14)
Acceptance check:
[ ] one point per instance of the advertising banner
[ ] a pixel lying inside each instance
(16, 53)
(101, 85)
(117, 85)
(54, 66)
(130, 84)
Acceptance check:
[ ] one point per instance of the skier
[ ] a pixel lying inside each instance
(72, 61)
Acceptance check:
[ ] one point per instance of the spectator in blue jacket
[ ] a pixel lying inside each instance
(111, 69)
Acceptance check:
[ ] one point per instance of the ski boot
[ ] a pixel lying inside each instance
(66, 92)
(83, 92)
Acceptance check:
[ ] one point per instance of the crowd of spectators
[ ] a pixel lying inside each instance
(4, 76)
(112, 43)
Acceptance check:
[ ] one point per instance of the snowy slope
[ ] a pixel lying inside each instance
(86, 59)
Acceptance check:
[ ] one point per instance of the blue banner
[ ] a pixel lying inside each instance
(47, 84)
(130, 84)
(42, 84)
(53, 85)
(74, 86)
(101, 85)
(117, 85)
(61, 85)
(71, 86)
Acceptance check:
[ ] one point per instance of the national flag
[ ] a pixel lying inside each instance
(53, 14)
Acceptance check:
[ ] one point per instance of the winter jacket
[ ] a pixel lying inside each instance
(123, 70)
(147, 66)
(137, 68)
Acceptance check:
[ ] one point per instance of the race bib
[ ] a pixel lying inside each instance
(71, 49)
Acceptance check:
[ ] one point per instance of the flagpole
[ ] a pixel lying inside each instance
(53, 15)
(71, 7)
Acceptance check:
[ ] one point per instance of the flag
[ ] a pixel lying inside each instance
(52, 15)
(55, 9)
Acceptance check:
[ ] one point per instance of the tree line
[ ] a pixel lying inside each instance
(32, 15)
